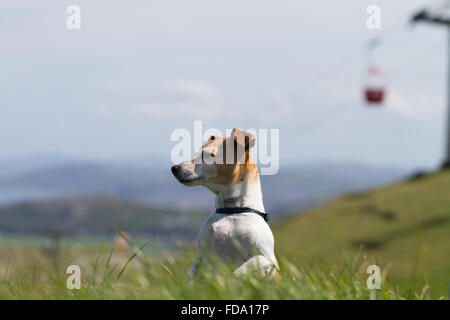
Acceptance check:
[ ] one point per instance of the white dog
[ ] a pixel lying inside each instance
(237, 232)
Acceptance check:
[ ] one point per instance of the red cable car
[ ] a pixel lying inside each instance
(374, 95)
(374, 92)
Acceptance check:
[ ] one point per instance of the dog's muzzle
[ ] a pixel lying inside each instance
(181, 176)
(176, 170)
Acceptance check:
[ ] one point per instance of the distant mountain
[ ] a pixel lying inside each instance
(94, 216)
(94, 179)
(293, 188)
(20, 165)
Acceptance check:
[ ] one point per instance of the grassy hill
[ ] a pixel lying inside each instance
(404, 228)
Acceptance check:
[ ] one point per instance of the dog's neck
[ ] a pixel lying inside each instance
(244, 194)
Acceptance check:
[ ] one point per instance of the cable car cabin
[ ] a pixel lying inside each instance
(374, 95)
(374, 92)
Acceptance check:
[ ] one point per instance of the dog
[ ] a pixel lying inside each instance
(237, 233)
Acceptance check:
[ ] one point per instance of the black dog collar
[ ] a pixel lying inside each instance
(236, 210)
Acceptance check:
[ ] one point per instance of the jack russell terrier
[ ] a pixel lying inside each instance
(237, 232)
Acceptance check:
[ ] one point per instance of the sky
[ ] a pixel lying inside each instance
(138, 70)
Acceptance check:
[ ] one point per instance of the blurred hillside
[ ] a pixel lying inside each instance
(293, 188)
(99, 216)
(404, 228)
(80, 198)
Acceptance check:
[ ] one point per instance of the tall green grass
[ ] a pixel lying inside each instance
(136, 276)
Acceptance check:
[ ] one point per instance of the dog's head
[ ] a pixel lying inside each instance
(220, 163)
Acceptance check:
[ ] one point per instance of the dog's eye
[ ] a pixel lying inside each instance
(209, 155)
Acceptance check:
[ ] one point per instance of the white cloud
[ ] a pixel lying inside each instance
(416, 104)
(175, 99)
(194, 89)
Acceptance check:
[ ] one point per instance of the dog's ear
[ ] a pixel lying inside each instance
(243, 138)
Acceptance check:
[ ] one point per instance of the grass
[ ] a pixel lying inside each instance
(404, 228)
(113, 275)
(323, 254)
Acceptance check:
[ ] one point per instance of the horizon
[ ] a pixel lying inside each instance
(164, 163)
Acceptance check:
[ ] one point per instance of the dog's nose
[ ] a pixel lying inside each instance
(175, 169)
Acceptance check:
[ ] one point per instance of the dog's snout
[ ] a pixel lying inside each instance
(175, 169)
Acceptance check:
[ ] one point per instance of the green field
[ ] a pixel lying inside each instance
(108, 274)
(323, 253)
(404, 228)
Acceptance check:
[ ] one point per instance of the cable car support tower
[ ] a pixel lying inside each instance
(426, 16)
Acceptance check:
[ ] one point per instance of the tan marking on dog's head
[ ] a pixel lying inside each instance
(242, 164)
(210, 166)
(243, 138)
